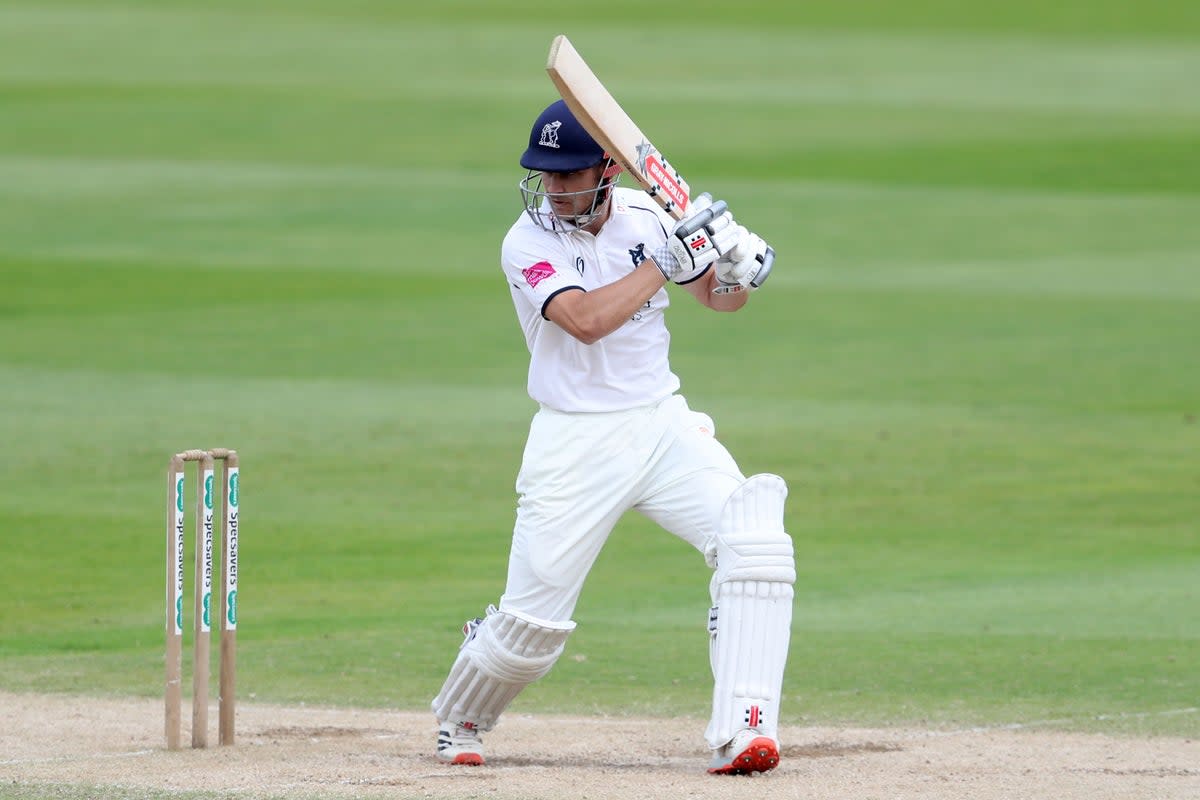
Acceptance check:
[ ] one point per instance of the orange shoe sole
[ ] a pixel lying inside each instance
(468, 760)
(760, 756)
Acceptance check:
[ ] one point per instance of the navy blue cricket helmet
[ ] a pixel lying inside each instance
(558, 143)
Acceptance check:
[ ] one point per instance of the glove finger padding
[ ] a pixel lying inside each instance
(725, 234)
(746, 267)
(764, 272)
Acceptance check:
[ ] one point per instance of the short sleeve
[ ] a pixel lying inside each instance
(539, 267)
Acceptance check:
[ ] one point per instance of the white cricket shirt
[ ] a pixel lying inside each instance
(627, 368)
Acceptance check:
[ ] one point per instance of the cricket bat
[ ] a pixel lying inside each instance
(613, 130)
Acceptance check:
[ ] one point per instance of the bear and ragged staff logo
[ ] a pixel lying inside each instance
(638, 254)
(549, 137)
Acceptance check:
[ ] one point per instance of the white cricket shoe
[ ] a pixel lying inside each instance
(748, 751)
(459, 743)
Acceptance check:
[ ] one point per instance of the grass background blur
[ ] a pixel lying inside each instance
(275, 226)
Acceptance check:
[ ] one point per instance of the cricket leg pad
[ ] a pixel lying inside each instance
(503, 653)
(750, 622)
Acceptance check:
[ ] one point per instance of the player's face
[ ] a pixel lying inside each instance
(572, 193)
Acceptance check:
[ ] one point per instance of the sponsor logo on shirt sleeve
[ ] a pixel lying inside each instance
(538, 273)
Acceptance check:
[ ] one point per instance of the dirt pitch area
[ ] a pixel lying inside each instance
(301, 752)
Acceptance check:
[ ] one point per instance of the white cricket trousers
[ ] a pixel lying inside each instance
(580, 472)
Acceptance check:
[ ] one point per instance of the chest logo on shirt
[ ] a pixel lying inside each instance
(579, 265)
(538, 273)
(638, 254)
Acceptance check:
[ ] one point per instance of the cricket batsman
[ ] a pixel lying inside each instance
(587, 264)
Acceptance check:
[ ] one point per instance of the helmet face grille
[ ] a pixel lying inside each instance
(558, 143)
(539, 209)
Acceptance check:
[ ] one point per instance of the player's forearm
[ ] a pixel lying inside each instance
(702, 290)
(592, 315)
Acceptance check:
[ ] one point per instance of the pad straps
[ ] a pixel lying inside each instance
(503, 653)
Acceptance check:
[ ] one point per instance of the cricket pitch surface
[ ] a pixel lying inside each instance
(55, 745)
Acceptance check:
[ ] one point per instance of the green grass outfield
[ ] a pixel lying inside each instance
(275, 226)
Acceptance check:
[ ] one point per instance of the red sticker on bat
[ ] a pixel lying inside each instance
(676, 190)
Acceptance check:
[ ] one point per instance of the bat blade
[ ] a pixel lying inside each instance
(602, 117)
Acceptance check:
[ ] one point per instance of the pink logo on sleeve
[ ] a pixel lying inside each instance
(537, 273)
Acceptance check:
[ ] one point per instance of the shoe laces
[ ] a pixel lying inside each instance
(461, 731)
(472, 625)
